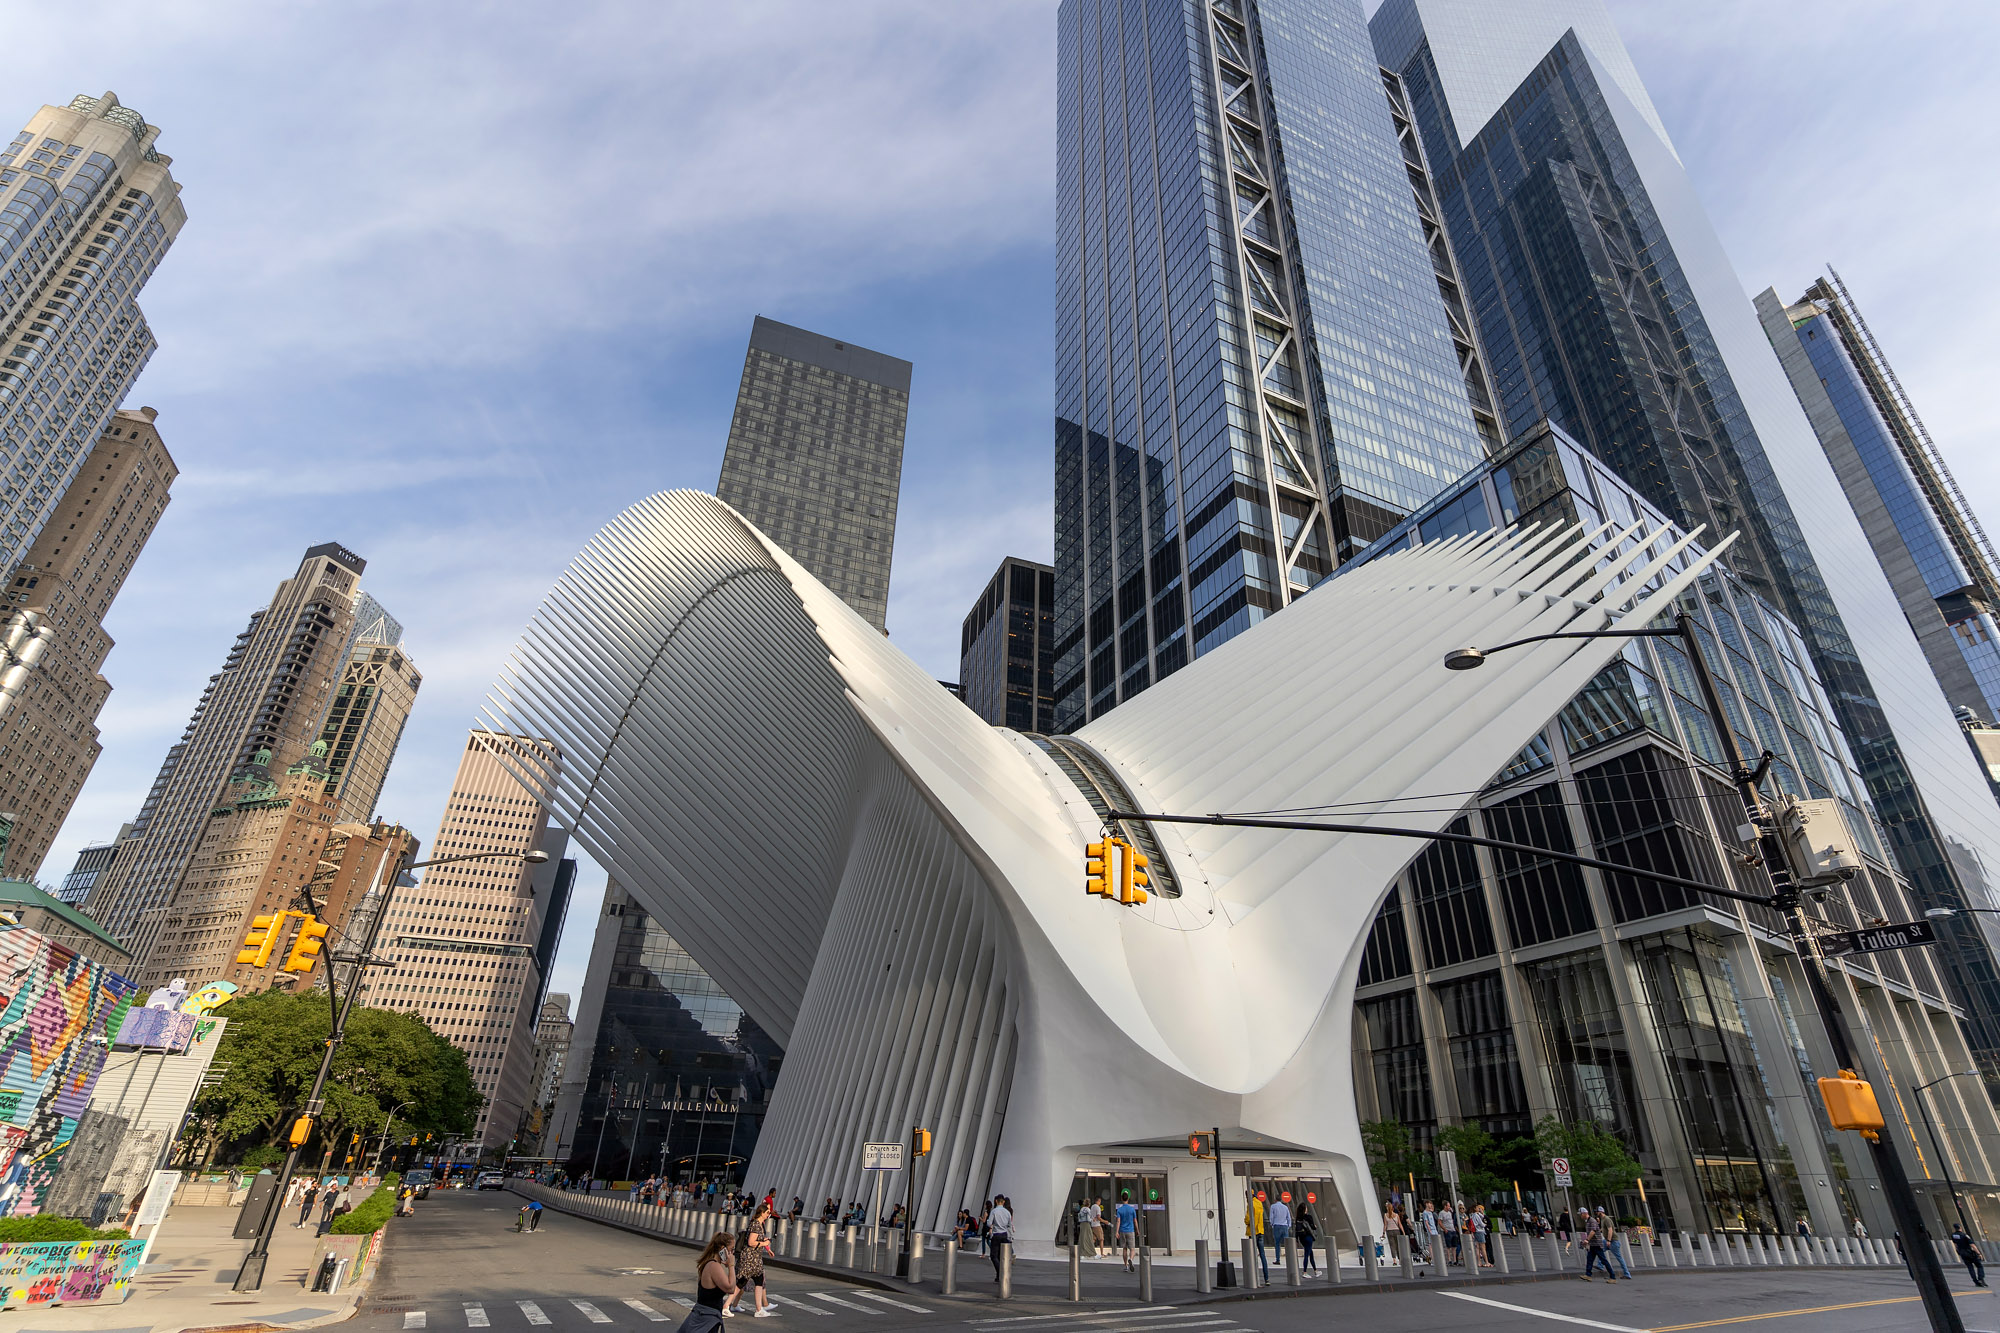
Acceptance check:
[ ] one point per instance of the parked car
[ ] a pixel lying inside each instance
(490, 1180)
(420, 1181)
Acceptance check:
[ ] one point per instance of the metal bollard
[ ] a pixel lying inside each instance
(1440, 1261)
(1075, 1269)
(1498, 1244)
(1204, 1277)
(1006, 1253)
(1406, 1255)
(812, 1243)
(1555, 1252)
(1652, 1252)
(1146, 1274)
(1673, 1254)
(950, 1286)
(1250, 1282)
(1528, 1250)
(1333, 1258)
(1371, 1263)
(916, 1257)
(798, 1238)
(853, 1234)
(1788, 1251)
(1291, 1261)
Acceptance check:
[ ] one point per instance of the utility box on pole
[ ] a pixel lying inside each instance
(1818, 842)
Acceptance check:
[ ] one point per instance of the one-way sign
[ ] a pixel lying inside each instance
(1875, 939)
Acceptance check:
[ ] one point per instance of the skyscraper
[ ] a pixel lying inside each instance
(90, 865)
(815, 457)
(1006, 648)
(269, 696)
(1924, 535)
(48, 740)
(87, 208)
(371, 706)
(1257, 370)
(1606, 304)
(464, 940)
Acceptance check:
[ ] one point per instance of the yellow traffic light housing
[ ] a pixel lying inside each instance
(305, 949)
(1850, 1103)
(302, 1129)
(1132, 877)
(260, 940)
(1097, 866)
(1201, 1145)
(923, 1137)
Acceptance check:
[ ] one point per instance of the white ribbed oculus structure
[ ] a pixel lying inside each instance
(894, 889)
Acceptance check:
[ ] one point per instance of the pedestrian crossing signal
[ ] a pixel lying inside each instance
(1132, 877)
(1097, 866)
(261, 939)
(923, 1137)
(1201, 1145)
(305, 949)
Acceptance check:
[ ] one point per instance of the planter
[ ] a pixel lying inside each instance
(360, 1252)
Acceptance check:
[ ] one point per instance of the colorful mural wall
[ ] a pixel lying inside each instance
(56, 1011)
(70, 1271)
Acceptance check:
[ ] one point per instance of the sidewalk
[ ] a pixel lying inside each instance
(185, 1284)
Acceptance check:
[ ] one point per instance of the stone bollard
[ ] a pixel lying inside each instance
(1291, 1261)
(1406, 1256)
(950, 1286)
(1075, 1268)
(1528, 1250)
(1555, 1252)
(1652, 1251)
(1006, 1272)
(1673, 1252)
(1371, 1263)
(1204, 1276)
(1498, 1244)
(1250, 1282)
(1440, 1261)
(1146, 1274)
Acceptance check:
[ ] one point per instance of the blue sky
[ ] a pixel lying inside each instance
(461, 281)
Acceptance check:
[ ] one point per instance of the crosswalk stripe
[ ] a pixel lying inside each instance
(415, 1319)
(832, 1299)
(887, 1300)
(533, 1311)
(475, 1317)
(591, 1312)
(800, 1305)
(1167, 1320)
(685, 1302)
(647, 1311)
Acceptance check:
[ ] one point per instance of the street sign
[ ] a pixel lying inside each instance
(881, 1157)
(1559, 1170)
(1448, 1164)
(1906, 935)
(1247, 1168)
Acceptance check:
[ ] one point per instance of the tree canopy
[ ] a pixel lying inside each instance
(1393, 1156)
(1599, 1161)
(271, 1050)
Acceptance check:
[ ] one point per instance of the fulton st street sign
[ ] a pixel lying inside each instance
(1875, 939)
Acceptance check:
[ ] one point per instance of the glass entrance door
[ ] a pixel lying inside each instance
(1148, 1192)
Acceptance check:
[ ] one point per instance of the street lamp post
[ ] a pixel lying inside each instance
(250, 1277)
(1937, 1147)
(383, 1146)
(1786, 897)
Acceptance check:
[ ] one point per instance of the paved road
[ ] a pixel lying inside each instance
(460, 1266)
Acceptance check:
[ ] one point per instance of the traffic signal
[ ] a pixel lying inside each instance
(1097, 866)
(923, 1137)
(302, 1129)
(1132, 878)
(307, 946)
(263, 937)
(1201, 1145)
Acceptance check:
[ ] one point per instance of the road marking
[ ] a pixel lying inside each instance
(414, 1319)
(1107, 1318)
(685, 1302)
(475, 1317)
(1544, 1314)
(890, 1300)
(533, 1311)
(1816, 1309)
(832, 1299)
(800, 1305)
(591, 1312)
(647, 1311)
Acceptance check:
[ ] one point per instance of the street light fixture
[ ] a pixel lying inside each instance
(1947, 913)
(1937, 1148)
(250, 1277)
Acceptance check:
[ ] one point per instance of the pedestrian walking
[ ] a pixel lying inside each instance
(1281, 1226)
(715, 1287)
(999, 1230)
(1968, 1252)
(985, 1225)
(1128, 1230)
(1392, 1226)
(306, 1203)
(1447, 1229)
(1482, 1251)
(1860, 1230)
(1429, 1231)
(1253, 1227)
(1308, 1232)
(1613, 1242)
(1097, 1228)
(750, 1249)
(1593, 1242)
(329, 1200)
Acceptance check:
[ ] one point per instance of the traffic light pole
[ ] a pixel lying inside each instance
(250, 1277)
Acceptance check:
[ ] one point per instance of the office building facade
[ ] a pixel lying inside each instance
(370, 707)
(815, 456)
(1006, 648)
(553, 1027)
(1926, 538)
(1604, 302)
(270, 696)
(1257, 367)
(88, 206)
(49, 738)
(464, 941)
(88, 868)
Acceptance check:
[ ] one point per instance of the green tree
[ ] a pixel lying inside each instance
(1481, 1161)
(1599, 1161)
(1393, 1156)
(271, 1051)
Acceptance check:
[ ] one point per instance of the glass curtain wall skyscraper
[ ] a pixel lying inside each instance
(1006, 648)
(1605, 303)
(1256, 375)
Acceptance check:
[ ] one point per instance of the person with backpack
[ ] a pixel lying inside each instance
(1968, 1253)
(1307, 1230)
(1253, 1227)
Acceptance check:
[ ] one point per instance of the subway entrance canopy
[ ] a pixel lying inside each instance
(894, 890)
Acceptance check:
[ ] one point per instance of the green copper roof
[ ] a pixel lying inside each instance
(27, 895)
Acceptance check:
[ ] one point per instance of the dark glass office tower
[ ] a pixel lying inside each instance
(1256, 375)
(1606, 304)
(815, 457)
(1006, 648)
